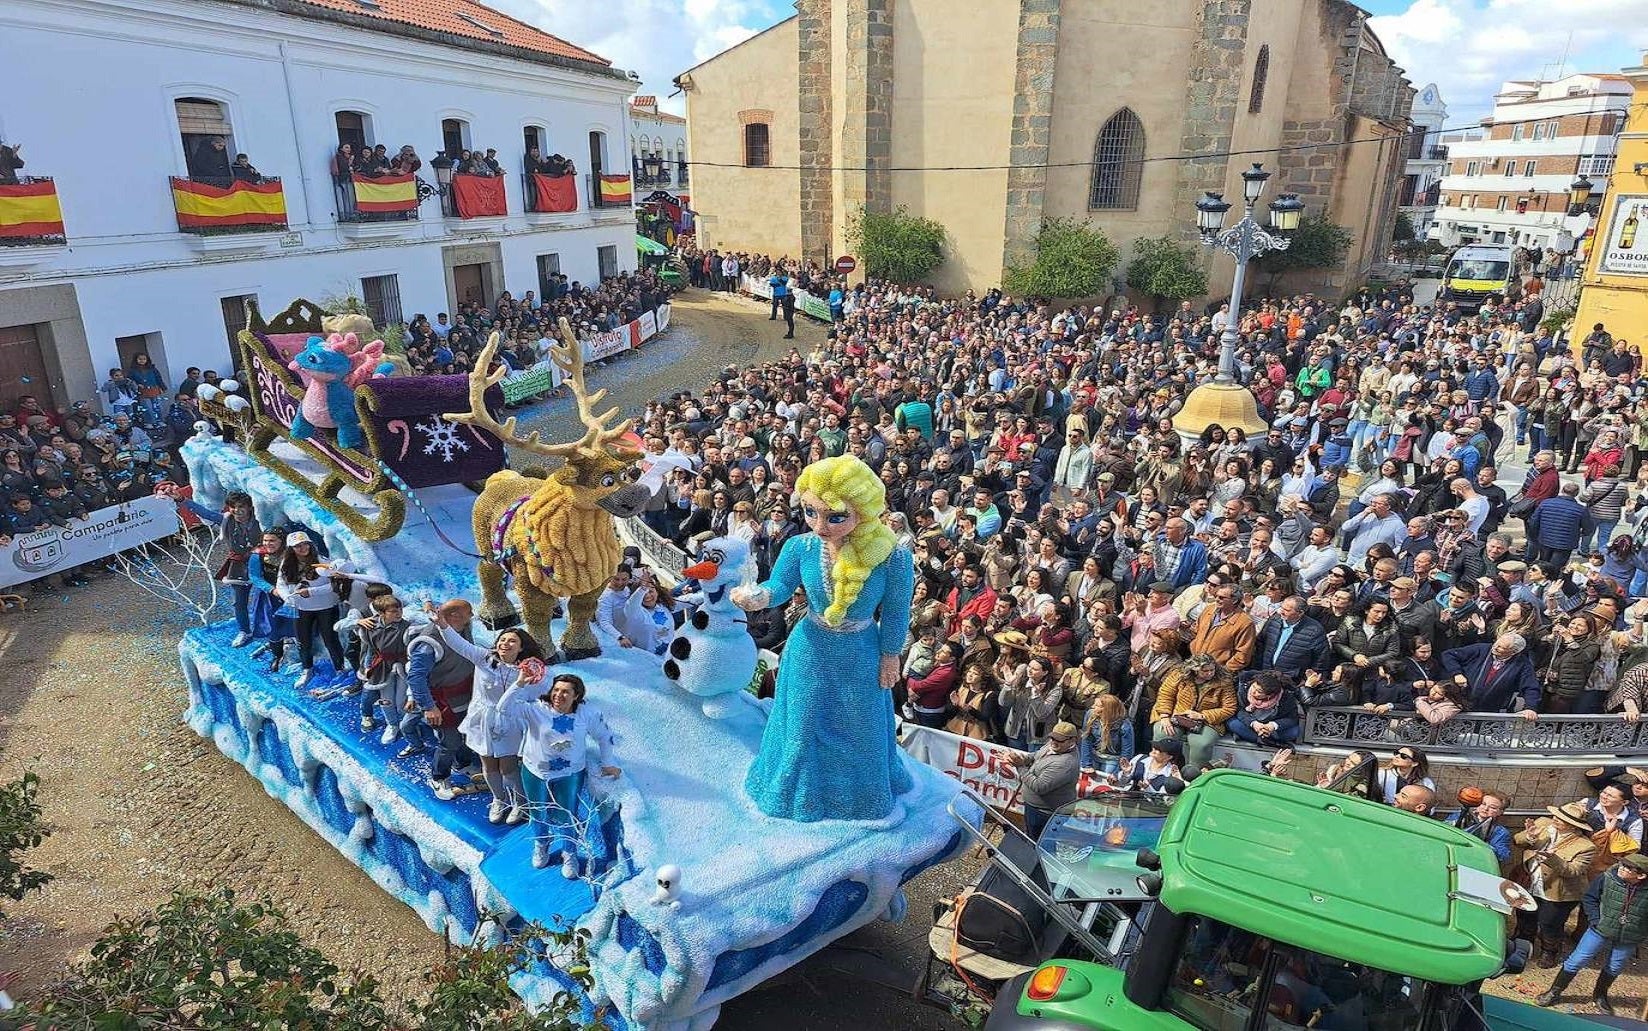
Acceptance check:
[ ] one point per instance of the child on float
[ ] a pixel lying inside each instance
(307, 586)
(488, 727)
(554, 754)
(271, 617)
(382, 637)
(242, 534)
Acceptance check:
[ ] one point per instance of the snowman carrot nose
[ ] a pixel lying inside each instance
(702, 571)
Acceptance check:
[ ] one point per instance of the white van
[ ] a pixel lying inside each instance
(1479, 271)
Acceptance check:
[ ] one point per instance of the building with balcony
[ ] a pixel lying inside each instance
(658, 149)
(992, 117)
(1510, 185)
(141, 231)
(1427, 159)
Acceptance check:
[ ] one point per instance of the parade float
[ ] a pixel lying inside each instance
(711, 878)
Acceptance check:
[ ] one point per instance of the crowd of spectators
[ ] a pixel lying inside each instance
(1079, 561)
(373, 162)
(210, 161)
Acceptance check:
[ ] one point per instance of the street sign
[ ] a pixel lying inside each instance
(845, 264)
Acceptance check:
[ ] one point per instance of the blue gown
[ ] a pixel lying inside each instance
(829, 752)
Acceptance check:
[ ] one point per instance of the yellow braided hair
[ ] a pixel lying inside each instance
(847, 483)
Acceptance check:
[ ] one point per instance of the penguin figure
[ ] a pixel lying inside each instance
(714, 655)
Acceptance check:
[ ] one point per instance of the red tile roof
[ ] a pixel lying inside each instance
(464, 18)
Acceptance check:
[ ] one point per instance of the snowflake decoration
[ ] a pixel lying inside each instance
(443, 437)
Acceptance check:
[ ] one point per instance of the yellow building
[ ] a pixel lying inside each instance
(1614, 290)
(994, 114)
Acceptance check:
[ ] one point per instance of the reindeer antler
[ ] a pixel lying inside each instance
(482, 379)
(569, 355)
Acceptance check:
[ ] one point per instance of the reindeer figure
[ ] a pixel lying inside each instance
(553, 535)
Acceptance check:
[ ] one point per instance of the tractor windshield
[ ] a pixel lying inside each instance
(1089, 846)
(1225, 973)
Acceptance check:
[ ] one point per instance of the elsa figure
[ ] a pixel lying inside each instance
(828, 752)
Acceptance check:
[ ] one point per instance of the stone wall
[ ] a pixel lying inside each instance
(1212, 92)
(1032, 128)
(865, 103)
(815, 95)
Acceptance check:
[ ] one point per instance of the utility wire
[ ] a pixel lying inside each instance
(1088, 164)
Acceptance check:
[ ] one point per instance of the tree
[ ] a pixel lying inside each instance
(20, 829)
(1073, 260)
(896, 246)
(1402, 228)
(1317, 243)
(1166, 270)
(208, 962)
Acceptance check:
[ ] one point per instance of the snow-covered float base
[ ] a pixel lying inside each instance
(758, 894)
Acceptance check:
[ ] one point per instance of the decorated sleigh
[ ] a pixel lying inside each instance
(404, 442)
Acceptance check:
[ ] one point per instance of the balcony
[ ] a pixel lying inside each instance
(228, 207)
(30, 215)
(376, 199)
(475, 196)
(549, 194)
(1436, 153)
(611, 192)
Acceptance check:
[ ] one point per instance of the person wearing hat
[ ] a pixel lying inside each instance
(1557, 856)
(1047, 777)
(307, 587)
(1153, 770)
(1616, 906)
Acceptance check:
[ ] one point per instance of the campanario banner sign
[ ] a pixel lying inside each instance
(986, 768)
(99, 535)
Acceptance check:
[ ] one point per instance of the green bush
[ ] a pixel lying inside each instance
(1317, 243)
(1166, 270)
(20, 829)
(1073, 260)
(896, 245)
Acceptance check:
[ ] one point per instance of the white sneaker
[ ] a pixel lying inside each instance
(391, 734)
(540, 854)
(443, 789)
(305, 679)
(366, 723)
(517, 814)
(409, 751)
(496, 812)
(241, 640)
(569, 866)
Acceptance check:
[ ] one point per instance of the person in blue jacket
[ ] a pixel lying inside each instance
(1494, 674)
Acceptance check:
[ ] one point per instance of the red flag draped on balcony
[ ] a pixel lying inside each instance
(202, 206)
(615, 189)
(556, 192)
(29, 210)
(479, 195)
(386, 193)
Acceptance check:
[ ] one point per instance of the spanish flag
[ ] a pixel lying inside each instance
(30, 210)
(200, 206)
(615, 189)
(386, 193)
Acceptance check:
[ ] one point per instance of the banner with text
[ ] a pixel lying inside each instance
(986, 768)
(31, 556)
(806, 303)
(546, 375)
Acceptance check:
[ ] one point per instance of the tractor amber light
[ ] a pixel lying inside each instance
(1045, 983)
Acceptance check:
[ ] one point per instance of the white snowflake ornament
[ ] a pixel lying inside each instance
(443, 438)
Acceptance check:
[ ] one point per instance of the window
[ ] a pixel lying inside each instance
(1118, 163)
(1472, 168)
(1516, 131)
(597, 154)
(606, 260)
(549, 266)
(234, 319)
(1500, 206)
(382, 295)
(756, 150)
(680, 162)
(1551, 128)
(1528, 168)
(208, 138)
(454, 136)
(355, 129)
(1510, 168)
(1596, 164)
(1472, 202)
(1261, 70)
(23, 367)
(536, 136)
(1539, 130)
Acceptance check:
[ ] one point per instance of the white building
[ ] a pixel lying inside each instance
(1427, 160)
(657, 149)
(1511, 186)
(106, 96)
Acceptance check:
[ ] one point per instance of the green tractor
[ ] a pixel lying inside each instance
(1273, 904)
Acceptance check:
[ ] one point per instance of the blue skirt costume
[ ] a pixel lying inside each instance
(829, 751)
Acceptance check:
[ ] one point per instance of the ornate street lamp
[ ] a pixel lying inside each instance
(1225, 401)
(1579, 194)
(651, 166)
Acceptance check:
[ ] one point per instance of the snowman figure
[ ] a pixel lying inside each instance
(669, 887)
(714, 656)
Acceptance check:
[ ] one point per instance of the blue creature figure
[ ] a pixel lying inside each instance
(328, 399)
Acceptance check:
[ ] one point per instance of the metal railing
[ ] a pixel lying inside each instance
(656, 551)
(343, 191)
(38, 238)
(1437, 153)
(1481, 734)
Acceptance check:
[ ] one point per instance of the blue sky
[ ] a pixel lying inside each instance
(1466, 47)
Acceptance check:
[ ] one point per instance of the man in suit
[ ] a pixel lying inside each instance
(1494, 674)
(1293, 642)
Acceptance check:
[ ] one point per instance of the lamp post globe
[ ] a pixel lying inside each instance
(1223, 400)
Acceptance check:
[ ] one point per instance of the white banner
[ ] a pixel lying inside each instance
(103, 533)
(987, 769)
(648, 323)
(663, 315)
(607, 344)
(757, 287)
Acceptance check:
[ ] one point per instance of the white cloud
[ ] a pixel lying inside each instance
(657, 38)
(1469, 47)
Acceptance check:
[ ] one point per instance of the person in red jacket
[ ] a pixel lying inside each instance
(930, 695)
(971, 597)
